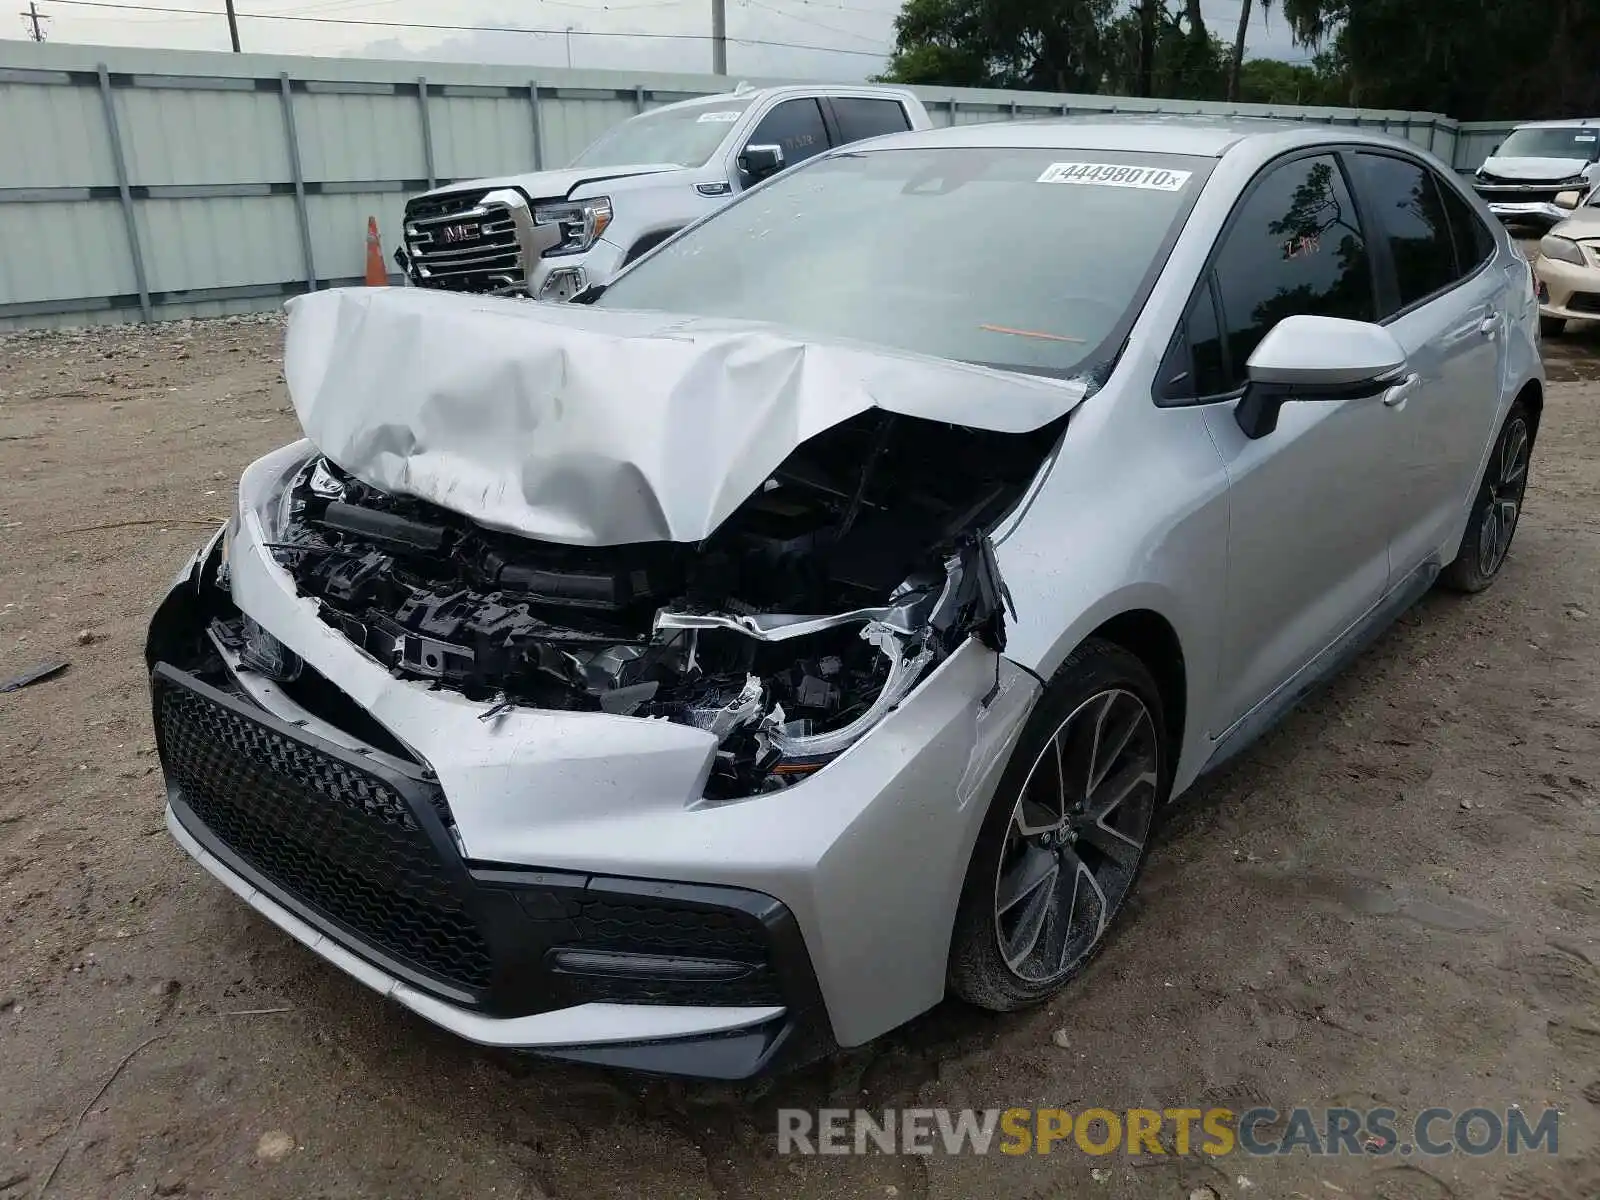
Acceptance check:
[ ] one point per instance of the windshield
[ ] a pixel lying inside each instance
(1573, 141)
(686, 136)
(1019, 258)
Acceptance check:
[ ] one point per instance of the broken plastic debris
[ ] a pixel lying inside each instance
(37, 675)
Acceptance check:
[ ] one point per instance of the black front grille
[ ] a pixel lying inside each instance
(340, 838)
(1587, 302)
(460, 244)
(1512, 191)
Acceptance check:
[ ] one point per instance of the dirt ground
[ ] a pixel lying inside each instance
(1395, 899)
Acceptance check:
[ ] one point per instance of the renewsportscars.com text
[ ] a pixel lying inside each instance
(1215, 1132)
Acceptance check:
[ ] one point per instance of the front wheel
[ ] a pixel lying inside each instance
(1066, 833)
(1497, 507)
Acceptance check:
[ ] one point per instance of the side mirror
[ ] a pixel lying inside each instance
(760, 161)
(1316, 358)
(1568, 199)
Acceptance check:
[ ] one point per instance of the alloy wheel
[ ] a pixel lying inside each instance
(1076, 836)
(1507, 480)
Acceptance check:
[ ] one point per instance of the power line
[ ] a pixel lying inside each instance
(682, 37)
(860, 37)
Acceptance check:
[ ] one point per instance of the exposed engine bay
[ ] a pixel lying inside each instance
(858, 566)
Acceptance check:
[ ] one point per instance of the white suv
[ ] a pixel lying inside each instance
(550, 234)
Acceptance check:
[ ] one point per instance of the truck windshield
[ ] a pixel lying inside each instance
(1019, 258)
(686, 136)
(1572, 141)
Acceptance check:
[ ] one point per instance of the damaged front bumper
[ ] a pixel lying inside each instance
(619, 916)
(671, 978)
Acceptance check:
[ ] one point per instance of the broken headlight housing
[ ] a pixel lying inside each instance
(818, 685)
(1561, 249)
(581, 223)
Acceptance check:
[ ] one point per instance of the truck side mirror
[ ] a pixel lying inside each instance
(758, 162)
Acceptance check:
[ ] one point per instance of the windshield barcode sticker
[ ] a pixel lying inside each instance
(720, 118)
(1154, 179)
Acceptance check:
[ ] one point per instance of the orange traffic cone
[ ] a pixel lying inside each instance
(377, 275)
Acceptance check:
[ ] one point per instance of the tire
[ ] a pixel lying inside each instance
(1019, 867)
(1552, 327)
(1497, 508)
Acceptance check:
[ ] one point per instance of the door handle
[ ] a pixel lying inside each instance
(1397, 396)
(1489, 327)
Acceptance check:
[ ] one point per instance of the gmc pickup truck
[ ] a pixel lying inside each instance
(551, 234)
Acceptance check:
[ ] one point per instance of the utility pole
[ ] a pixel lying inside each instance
(233, 26)
(34, 18)
(719, 37)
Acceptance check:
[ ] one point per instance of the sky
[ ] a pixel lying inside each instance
(828, 39)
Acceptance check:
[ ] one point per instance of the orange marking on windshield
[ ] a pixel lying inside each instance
(1033, 333)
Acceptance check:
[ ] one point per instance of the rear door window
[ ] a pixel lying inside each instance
(1407, 211)
(859, 118)
(1473, 241)
(1294, 247)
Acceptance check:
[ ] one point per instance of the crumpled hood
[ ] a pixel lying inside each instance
(598, 427)
(1550, 170)
(553, 185)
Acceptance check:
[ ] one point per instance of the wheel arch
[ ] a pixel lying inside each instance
(1532, 398)
(647, 242)
(1153, 640)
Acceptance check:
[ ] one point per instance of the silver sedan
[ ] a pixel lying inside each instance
(817, 620)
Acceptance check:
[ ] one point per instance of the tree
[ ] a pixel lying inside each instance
(1147, 48)
(1271, 81)
(1491, 59)
(1047, 45)
(1236, 65)
(1187, 63)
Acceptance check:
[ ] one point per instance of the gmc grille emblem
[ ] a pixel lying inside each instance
(451, 234)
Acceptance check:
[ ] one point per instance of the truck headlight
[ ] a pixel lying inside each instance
(581, 223)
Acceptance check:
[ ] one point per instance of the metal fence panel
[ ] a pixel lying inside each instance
(203, 243)
(54, 136)
(1478, 140)
(350, 137)
(63, 251)
(336, 218)
(245, 178)
(475, 136)
(188, 136)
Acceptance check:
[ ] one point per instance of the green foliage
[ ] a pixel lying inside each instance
(1270, 81)
(1189, 63)
(1481, 60)
(1049, 45)
(1058, 46)
(1486, 60)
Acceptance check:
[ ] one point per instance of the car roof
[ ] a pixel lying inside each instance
(1568, 123)
(1158, 133)
(749, 95)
